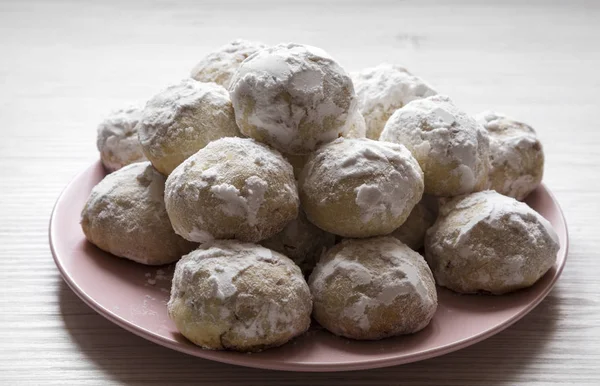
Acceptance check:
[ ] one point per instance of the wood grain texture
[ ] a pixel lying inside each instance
(65, 64)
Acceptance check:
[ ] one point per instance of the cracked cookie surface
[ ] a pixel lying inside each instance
(229, 295)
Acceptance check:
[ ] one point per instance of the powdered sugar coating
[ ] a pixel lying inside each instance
(451, 147)
(118, 141)
(183, 119)
(293, 97)
(232, 188)
(372, 289)
(238, 296)
(302, 242)
(516, 155)
(383, 89)
(360, 187)
(220, 65)
(125, 215)
(488, 242)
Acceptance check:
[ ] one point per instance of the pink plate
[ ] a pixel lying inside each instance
(134, 297)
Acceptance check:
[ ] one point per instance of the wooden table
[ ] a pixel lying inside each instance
(65, 64)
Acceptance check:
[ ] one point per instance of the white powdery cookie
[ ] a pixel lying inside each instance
(182, 119)
(293, 97)
(360, 187)
(233, 188)
(451, 147)
(487, 242)
(117, 139)
(372, 289)
(516, 155)
(228, 295)
(383, 89)
(126, 216)
(220, 65)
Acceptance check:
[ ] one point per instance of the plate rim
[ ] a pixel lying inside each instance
(248, 361)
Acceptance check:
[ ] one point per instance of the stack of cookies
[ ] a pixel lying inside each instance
(285, 187)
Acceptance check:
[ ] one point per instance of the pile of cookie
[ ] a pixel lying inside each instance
(285, 187)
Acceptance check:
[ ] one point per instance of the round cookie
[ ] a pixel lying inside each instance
(232, 188)
(383, 89)
(360, 187)
(451, 147)
(421, 218)
(125, 215)
(293, 97)
(302, 242)
(183, 119)
(516, 155)
(220, 65)
(372, 289)
(490, 243)
(236, 296)
(117, 139)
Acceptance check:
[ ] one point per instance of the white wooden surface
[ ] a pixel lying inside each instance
(65, 64)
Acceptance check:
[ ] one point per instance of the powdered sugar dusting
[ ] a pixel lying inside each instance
(383, 89)
(224, 261)
(255, 188)
(294, 97)
(516, 155)
(245, 203)
(502, 243)
(118, 140)
(222, 279)
(221, 265)
(159, 276)
(234, 204)
(399, 278)
(220, 65)
(126, 216)
(387, 197)
(393, 179)
(491, 208)
(236, 174)
(164, 108)
(442, 136)
(509, 139)
(182, 119)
